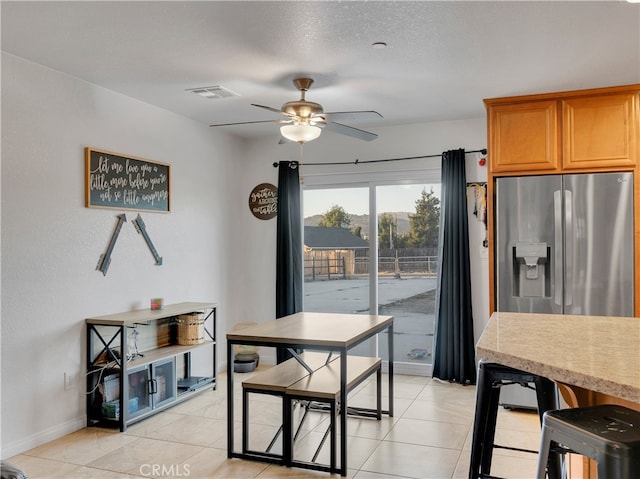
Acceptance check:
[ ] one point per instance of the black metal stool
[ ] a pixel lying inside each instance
(608, 434)
(491, 377)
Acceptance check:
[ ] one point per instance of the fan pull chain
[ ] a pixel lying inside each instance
(301, 163)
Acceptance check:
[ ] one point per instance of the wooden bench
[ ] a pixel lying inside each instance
(275, 381)
(324, 386)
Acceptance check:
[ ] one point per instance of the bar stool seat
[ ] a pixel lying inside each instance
(491, 378)
(609, 434)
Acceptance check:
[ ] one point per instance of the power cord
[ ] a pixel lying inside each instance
(109, 365)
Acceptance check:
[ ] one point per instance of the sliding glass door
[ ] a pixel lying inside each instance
(336, 245)
(408, 222)
(372, 249)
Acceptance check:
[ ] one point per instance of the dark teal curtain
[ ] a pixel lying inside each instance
(454, 352)
(289, 254)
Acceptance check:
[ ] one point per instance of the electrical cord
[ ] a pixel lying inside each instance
(109, 365)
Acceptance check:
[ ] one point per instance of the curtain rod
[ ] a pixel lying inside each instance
(358, 162)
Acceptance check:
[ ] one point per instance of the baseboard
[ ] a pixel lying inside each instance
(410, 369)
(42, 437)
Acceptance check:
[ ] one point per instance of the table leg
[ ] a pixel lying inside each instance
(343, 412)
(229, 399)
(390, 349)
(294, 353)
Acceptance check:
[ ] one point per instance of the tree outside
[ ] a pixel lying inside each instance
(388, 236)
(424, 225)
(336, 217)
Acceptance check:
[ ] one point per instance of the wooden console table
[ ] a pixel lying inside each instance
(151, 378)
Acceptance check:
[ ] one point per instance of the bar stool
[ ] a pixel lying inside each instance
(491, 377)
(608, 434)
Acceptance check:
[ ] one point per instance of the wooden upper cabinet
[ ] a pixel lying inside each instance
(600, 131)
(523, 136)
(581, 130)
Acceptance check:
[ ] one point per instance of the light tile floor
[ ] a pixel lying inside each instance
(428, 437)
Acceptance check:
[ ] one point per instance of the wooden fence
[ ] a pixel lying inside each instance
(397, 262)
(325, 268)
(400, 265)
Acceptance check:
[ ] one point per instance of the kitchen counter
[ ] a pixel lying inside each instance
(595, 354)
(593, 359)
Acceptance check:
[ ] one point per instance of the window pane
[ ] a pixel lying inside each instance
(408, 223)
(336, 223)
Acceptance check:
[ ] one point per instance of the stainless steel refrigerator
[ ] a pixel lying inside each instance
(564, 244)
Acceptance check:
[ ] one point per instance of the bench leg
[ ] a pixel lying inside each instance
(332, 425)
(287, 437)
(245, 421)
(379, 394)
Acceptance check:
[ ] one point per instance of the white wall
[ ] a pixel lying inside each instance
(51, 243)
(257, 240)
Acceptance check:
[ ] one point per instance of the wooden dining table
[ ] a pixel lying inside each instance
(317, 331)
(593, 359)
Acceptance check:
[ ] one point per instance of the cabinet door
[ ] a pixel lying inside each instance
(139, 396)
(523, 137)
(600, 131)
(163, 380)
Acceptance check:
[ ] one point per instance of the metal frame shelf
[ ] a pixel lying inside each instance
(109, 352)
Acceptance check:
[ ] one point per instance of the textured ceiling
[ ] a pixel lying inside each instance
(442, 58)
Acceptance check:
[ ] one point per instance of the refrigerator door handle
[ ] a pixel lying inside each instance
(557, 247)
(568, 247)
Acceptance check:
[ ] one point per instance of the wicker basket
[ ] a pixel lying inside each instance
(190, 329)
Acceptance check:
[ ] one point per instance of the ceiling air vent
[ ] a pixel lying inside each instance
(213, 92)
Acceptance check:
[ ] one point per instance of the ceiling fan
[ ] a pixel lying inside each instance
(304, 120)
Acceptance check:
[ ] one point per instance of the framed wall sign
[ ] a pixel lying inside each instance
(263, 201)
(113, 180)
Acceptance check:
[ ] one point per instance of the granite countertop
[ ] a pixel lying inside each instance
(598, 353)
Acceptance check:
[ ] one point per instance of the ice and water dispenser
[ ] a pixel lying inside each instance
(531, 270)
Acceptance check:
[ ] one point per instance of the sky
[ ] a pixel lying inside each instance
(356, 200)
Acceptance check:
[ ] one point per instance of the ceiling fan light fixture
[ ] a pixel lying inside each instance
(300, 133)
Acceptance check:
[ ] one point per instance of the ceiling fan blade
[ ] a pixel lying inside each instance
(352, 115)
(250, 122)
(350, 131)
(318, 121)
(275, 110)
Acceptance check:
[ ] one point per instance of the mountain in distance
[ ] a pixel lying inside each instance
(363, 221)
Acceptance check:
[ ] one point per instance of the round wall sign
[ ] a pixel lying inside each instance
(263, 201)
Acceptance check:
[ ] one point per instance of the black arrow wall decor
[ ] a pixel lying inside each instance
(141, 228)
(105, 259)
